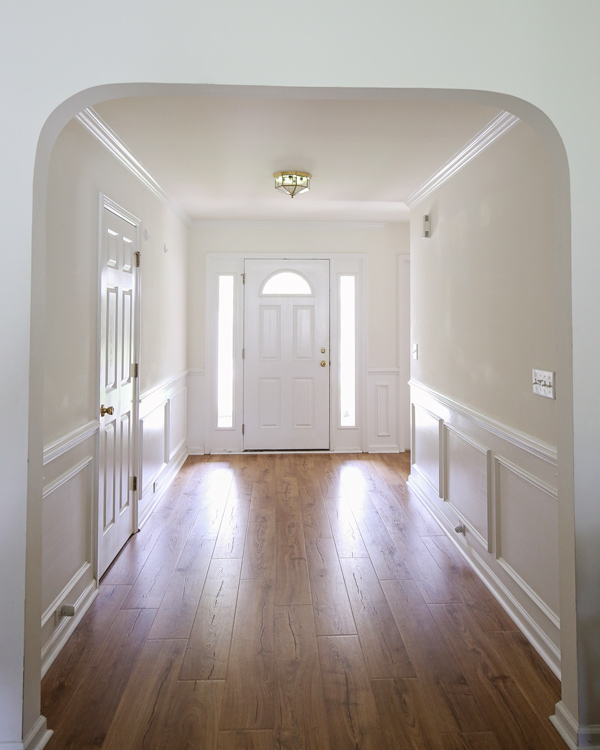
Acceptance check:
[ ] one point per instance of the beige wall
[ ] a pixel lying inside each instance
(80, 169)
(483, 287)
(382, 246)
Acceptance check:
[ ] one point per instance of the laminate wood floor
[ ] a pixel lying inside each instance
(303, 602)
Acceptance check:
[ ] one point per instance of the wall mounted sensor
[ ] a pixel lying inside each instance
(427, 226)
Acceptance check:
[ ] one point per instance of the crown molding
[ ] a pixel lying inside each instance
(278, 224)
(95, 125)
(496, 128)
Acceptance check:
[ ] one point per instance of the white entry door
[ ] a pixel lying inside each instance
(286, 355)
(117, 385)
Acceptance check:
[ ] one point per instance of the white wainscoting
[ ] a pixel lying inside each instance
(163, 439)
(68, 529)
(500, 484)
(196, 424)
(382, 411)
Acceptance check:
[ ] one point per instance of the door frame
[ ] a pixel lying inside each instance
(107, 203)
(230, 439)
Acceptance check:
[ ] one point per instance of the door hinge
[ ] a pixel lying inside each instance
(243, 354)
(243, 428)
(138, 256)
(134, 484)
(243, 278)
(136, 370)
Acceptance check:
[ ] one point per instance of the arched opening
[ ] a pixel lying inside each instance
(562, 259)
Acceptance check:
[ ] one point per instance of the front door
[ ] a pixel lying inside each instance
(286, 355)
(118, 250)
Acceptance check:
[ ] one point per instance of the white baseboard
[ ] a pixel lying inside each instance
(62, 634)
(38, 736)
(532, 631)
(575, 735)
(384, 449)
(196, 451)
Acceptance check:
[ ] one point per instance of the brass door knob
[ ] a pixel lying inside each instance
(109, 410)
(323, 363)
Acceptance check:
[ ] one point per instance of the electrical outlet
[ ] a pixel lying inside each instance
(543, 383)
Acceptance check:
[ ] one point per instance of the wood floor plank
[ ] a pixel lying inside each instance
(383, 648)
(410, 723)
(85, 721)
(353, 719)
(141, 718)
(240, 740)
(232, 532)
(207, 652)
(177, 611)
(314, 515)
(332, 611)
(300, 718)
(503, 704)
(446, 690)
(473, 741)
(344, 529)
(248, 702)
(259, 551)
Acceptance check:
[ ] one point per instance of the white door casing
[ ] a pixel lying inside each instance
(118, 316)
(287, 357)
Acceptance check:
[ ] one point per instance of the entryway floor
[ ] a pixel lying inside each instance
(301, 602)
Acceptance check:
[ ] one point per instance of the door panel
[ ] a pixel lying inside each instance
(117, 387)
(286, 390)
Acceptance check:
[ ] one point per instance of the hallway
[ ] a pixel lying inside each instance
(296, 601)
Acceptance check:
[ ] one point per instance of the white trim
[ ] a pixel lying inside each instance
(496, 128)
(64, 444)
(167, 474)
(95, 125)
(49, 613)
(574, 734)
(532, 631)
(383, 371)
(528, 477)
(65, 630)
(197, 371)
(166, 384)
(550, 614)
(515, 437)
(64, 478)
(38, 736)
(348, 226)
(119, 211)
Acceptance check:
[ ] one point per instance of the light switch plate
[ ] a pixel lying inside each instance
(543, 383)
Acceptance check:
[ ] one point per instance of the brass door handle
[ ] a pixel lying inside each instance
(323, 363)
(108, 410)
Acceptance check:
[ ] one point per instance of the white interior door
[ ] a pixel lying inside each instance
(286, 355)
(117, 385)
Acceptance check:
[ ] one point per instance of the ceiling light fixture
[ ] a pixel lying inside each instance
(291, 182)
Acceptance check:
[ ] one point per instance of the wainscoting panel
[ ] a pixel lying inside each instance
(500, 484)
(68, 528)
(467, 484)
(382, 411)
(527, 512)
(196, 423)
(426, 456)
(163, 439)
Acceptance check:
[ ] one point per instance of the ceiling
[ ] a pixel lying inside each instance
(216, 156)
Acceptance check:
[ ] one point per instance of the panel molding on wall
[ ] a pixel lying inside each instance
(195, 411)
(382, 410)
(163, 439)
(502, 487)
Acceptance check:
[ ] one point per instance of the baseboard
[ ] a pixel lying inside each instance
(384, 449)
(523, 620)
(575, 735)
(39, 735)
(62, 635)
(196, 451)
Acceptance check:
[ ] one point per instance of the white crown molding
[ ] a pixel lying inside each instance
(351, 226)
(501, 124)
(93, 123)
(522, 440)
(59, 447)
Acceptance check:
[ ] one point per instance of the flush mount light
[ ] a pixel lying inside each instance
(292, 183)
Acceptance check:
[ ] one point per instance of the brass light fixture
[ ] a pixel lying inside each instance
(292, 182)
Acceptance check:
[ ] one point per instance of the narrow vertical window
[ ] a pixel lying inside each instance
(348, 351)
(225, 353)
